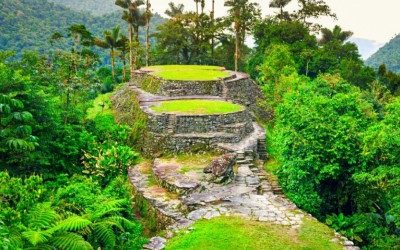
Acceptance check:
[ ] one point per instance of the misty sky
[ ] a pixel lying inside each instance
(377, 20)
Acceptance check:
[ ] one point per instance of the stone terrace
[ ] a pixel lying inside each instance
(176, 196)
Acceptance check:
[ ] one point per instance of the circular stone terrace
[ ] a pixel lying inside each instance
(188, 72)
(199, 121)
(193, 105)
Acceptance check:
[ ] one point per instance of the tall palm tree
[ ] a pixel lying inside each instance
(130, 15)
(242, 13)
(337, 34)
(197, 6)
(203, 5)
(123, 47)
(280, 4)
(148, 17)
(212, 16)
(174, 10)
(111, 41)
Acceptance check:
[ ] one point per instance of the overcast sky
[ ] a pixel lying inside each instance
(377, 20)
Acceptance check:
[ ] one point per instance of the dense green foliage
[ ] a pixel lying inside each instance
(334, 131)
(67, 213)
(95, 7)
(29, 24)
(63, 172)
(389, 55)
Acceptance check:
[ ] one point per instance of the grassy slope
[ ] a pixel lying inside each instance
(197, 107)
(189, 72)
(101, 105)
(235, 233)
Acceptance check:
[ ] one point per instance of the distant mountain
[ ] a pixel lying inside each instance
(389, 54)
(28, 24)
(366, 47)
(95, 7)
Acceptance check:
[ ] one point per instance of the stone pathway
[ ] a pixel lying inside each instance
(249, 195)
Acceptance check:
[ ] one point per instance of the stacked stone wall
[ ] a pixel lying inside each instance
(184, 124)
(182, 133)
(238, 88)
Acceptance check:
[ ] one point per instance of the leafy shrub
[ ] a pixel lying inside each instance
(106, 163)
(318, 138)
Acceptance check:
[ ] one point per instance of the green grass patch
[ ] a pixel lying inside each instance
(272, 166)
(101, 105)
(189, 72)
(197, 107)
(235, 233)
(192, 162)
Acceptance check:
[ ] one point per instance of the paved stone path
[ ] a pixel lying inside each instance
(250, 195)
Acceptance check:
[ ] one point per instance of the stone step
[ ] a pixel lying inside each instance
(216, 137)
(169, 177)
(237, 128)
(156, 243)
(247, 143)
(244, 170)
(169, 208)
(243, 162)
(249, 158)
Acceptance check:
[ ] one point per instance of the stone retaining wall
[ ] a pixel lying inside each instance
(183, 133)
(238, 122)
(238, 88)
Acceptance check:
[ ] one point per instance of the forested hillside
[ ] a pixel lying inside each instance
(388, 55)
(29, 24)
(95, 7)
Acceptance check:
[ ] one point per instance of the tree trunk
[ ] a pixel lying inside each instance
(213, 31)
(237, 44)
(124, 68)
(147, 32)
(112, 55)
(308, 62)
(197, 7)
(131, 56)
(137, 33)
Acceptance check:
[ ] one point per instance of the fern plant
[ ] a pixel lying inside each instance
(45, 229)
(108, 225)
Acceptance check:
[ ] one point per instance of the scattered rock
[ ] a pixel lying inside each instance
(156, 243)
(222, 168)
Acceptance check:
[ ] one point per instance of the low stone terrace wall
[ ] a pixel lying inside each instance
(238, 88)
(182, 133)
(182, 124)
